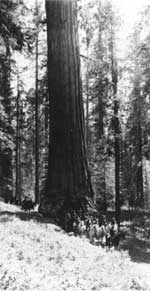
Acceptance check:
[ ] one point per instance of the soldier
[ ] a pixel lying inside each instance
(108, 227)
(114, 228)
(67, 221)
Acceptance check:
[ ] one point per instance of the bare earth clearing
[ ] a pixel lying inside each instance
(37, 255)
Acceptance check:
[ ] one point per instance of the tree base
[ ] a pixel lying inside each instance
(57, 208)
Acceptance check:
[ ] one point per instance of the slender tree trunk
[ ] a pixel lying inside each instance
(37, 196)
(87, 100)
(68, 182)
(19, 152)
(87, 86)
(116, 125)
(117, 178)
(104, 197)
(140, 193)
(101, 113)
(17, 194)
(5, 93)
(117, 142)
(101, 86)
(47, 118)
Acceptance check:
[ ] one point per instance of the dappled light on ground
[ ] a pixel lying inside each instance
(39, 256)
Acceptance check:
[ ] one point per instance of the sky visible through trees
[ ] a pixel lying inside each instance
(129, 12)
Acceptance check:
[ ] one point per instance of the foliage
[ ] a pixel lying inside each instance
(137, 126)
(97, 26)
(48, 258)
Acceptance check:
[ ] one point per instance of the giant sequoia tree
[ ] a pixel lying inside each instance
(68, 183)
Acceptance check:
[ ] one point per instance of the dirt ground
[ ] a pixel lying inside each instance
(37, 255)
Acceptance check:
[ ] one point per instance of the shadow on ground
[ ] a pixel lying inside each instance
(25, 216)
(138, 248)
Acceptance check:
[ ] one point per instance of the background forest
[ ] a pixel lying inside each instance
(116, 94)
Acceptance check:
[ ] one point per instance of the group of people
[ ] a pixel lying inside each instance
(26, 204)
(99, 231)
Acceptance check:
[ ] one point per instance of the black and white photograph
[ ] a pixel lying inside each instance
(75, 145)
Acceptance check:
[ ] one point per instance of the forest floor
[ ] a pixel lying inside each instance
(37, 255)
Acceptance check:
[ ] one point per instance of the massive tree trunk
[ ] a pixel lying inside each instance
(68, 183)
